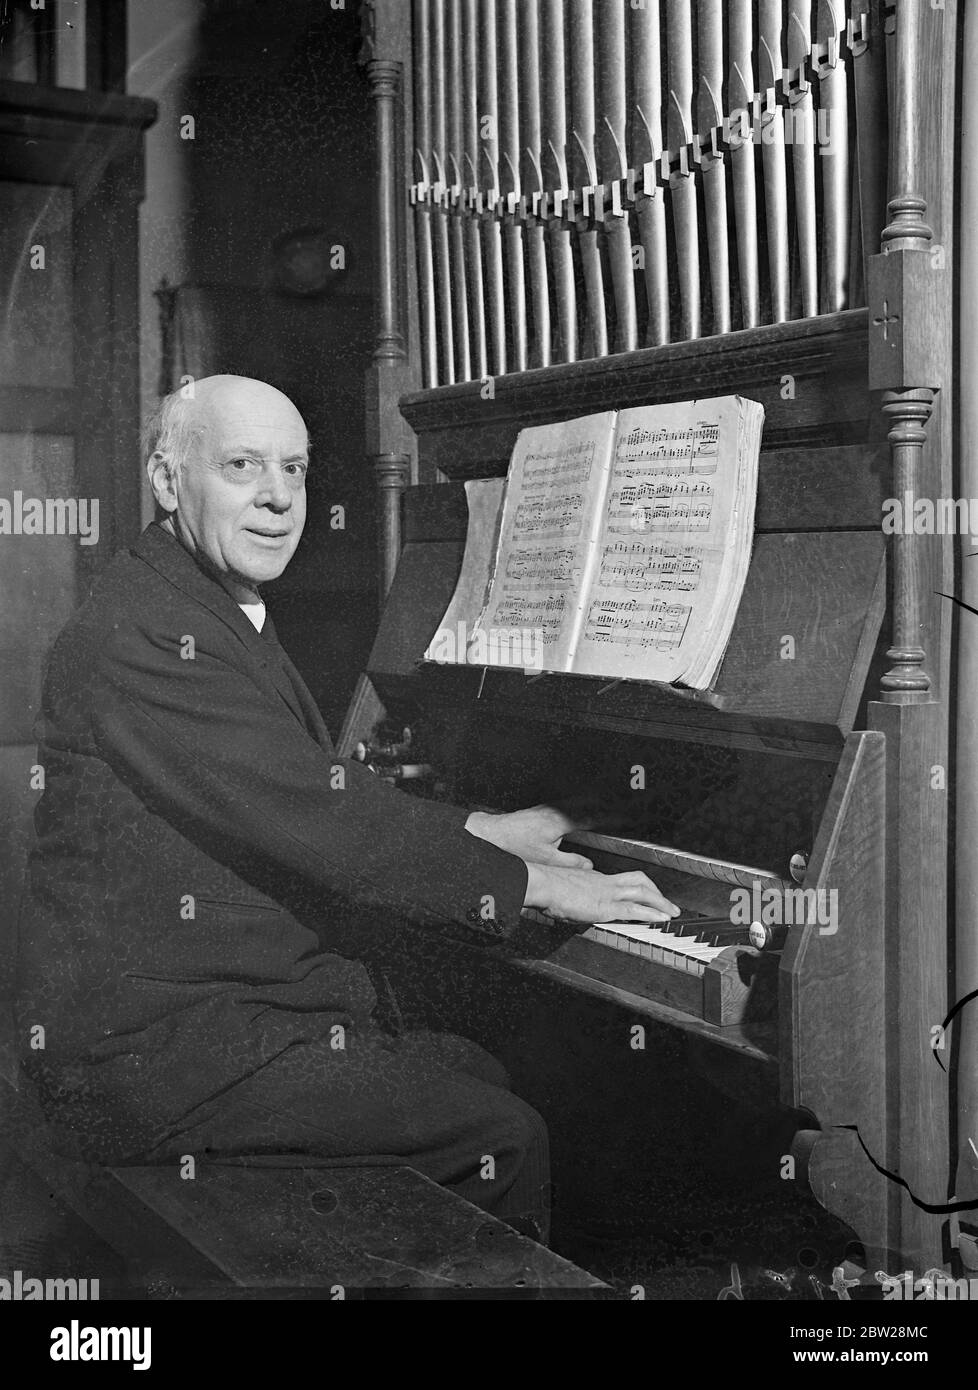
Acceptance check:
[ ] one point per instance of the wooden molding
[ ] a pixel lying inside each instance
(470, 428)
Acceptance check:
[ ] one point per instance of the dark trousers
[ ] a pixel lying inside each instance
(433, 1101)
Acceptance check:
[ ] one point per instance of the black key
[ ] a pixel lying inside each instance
(682, 924)
(692, 926)
(726, 935)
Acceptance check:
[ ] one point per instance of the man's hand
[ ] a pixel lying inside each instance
(585, 896)
(532, 835)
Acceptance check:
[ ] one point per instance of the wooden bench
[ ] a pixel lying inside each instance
(259, 1229)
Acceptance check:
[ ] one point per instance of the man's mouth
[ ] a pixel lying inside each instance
(269, 535)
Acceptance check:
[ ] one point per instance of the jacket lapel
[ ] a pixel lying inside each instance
(312, 718)
(169, 558)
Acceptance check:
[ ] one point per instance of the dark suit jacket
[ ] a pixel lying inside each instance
(196, 838)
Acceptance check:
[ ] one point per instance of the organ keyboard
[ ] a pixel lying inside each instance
(706, 961)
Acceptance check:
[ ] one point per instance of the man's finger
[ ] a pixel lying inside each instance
(571, 861)
(639, 912)
(637, 887)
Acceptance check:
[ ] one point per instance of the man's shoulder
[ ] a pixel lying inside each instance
(131, 600)
(127, 586)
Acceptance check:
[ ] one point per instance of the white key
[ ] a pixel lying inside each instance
(678, 951)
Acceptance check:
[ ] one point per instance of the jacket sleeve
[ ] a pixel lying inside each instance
(204, 746)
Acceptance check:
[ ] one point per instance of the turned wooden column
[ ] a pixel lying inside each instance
(392, 474)
(908, 290)
(388, 437)
(966, 773)
(392, 469)
(904, 353)
(385, 86)
(906, 680)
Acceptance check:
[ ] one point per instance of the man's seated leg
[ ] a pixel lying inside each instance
(433, 1101)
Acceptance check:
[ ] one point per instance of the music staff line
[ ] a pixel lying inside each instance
(657, 626)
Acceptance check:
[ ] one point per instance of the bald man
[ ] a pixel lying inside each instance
(187, 982)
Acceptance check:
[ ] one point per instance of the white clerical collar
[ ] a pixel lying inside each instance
(254, 612)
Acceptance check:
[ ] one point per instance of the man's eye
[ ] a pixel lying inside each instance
(241, 465)
(297, 470)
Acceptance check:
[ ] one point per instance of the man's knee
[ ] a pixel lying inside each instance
(516, 1134)
(439, 1052)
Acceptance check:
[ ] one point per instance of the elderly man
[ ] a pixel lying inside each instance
(182, 987)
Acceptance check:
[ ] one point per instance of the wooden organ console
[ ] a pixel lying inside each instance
(587, 207)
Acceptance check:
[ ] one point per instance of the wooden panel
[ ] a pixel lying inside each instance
(809, 376)
(23, 103)
(649, 979)
(741, 987)
(813, 693)
(435, 513)
(820, 489)
(38, 574)
(107, 336)
(736, 988)
(757, 1042)
(843, 574)
(918, 979)
(92, 144)
(36, 220)
(797, 490)
(289, 1226)
(424, 582)
(833, 1002)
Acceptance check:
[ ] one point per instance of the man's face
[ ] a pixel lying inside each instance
(241, 493)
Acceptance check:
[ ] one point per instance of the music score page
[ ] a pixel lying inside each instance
(678, 514)
(557, 481)
(623, 545)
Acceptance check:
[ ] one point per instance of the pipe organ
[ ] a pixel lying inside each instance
(591, 178)
(591, 205)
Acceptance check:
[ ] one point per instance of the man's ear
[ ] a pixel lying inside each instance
(162, 479)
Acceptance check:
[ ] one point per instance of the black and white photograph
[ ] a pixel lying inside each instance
(488, 661)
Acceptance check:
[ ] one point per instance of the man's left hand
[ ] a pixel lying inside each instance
(532, 835)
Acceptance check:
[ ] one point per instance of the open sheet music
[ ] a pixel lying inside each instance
(623, 545)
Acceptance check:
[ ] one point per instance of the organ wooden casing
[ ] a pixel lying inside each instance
(828, 303)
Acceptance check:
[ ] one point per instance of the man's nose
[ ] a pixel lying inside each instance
(274, 492)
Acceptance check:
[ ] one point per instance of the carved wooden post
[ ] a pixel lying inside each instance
(392, 473)
(904, 350)
(385, 82)
(387, 378)
(966, 778)
(907, 681)
(908, 351)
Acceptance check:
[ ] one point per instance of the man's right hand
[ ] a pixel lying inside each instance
(582, 895)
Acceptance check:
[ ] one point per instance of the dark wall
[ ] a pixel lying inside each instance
(283, 144)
